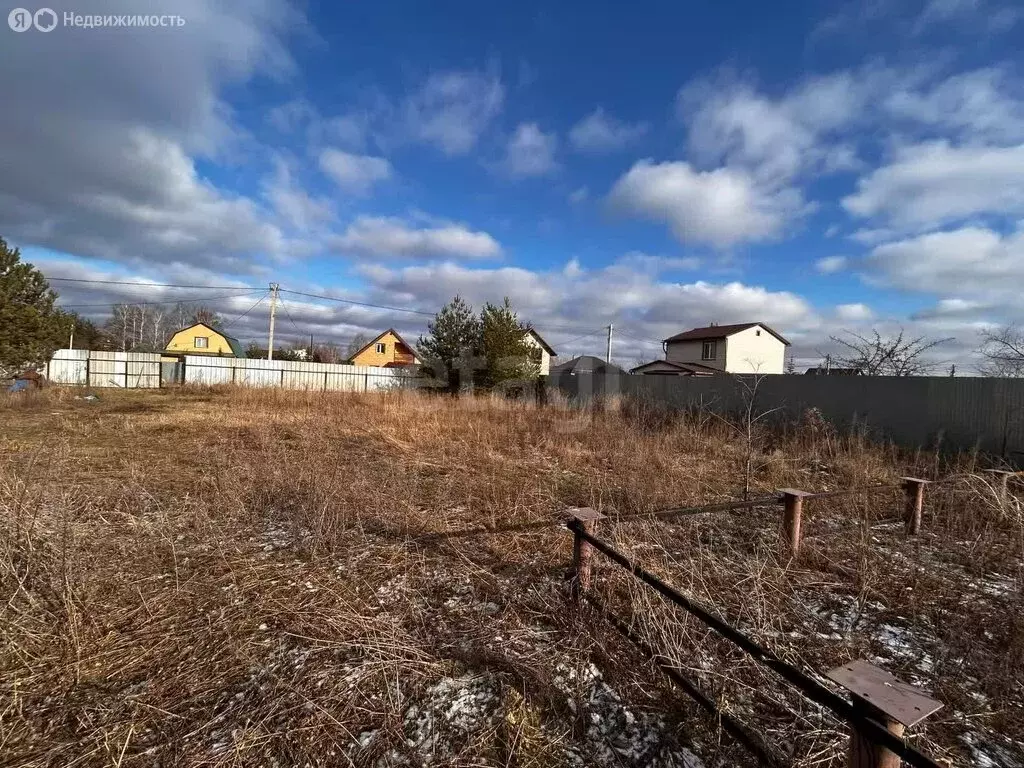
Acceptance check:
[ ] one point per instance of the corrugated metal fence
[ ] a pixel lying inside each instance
(143, 370)
(961, 412)
(294, 375)
(129, 370)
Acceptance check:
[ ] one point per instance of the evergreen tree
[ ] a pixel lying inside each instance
(509, 357)
(452, 341)
(29, 322)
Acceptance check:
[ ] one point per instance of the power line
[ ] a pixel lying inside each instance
(154, 303)
(250, 309)
(360, 303)
(150, 285)
(291, 319)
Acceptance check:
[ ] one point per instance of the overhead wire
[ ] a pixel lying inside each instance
(259, 301)
(358, 303)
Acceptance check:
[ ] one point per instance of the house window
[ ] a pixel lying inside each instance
(757, 333)
(381, 348)
(709, 350)
(202, 342)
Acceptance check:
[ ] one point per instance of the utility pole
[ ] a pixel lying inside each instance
(273, 312)
(71, 341)
(608, 352)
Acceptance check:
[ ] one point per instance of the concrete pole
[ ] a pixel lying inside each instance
(273, 313)
(608, 350)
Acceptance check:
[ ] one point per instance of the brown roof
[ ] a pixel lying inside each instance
(720, 332)
(693, 368)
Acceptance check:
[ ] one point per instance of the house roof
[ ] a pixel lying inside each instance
(540, 340)
(586, 364)
(720, 332)
(694, 369)
(394, 333)
(235, 344)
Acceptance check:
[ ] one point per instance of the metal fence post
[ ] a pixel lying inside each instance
(879, 696)
(792, 518)
(582, 519)
(913, 487)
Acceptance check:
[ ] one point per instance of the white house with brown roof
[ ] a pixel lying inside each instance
(739, 348)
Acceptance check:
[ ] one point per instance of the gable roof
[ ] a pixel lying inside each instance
(694, 369)
(235, 344)
(720, 332)
(586, 364)
(540, 340)
(394, 333)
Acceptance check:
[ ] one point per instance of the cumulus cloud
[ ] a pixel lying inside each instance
(601, 132)
(830, 264)
(453, 109)
(114, 173)
(774, 139)
(853, 312)
(355, 174)
(982, 105)
(969, 260)
(934, 183)
(395, 237)
(721, 207)
(296, 207)
(530, 152)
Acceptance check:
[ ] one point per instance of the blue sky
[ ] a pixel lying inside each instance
(818, 166)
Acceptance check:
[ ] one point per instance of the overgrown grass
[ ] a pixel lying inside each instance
(238, 577)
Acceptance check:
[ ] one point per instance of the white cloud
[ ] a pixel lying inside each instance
(114, 174)
(721, 207)
(452, 109)
(579, 195)
(929, 184)
(952, 308)
(969, 261)
(983, 105)
(296, 207)
(354, 173)
(395, 237)
(579, 300)
(601, 132)
(853, 312)
(830, 264)
(530, 152)
(774, 139)
(989, 15)
(654, 264)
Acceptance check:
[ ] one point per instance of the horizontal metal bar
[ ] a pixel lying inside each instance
(812, 689)
(750, 740)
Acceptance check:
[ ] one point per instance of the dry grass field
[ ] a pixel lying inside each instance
(261, 578)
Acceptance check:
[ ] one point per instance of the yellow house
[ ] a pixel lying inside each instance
(388, 350)
(201, 339)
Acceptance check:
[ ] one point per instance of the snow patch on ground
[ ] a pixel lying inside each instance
(615, 735)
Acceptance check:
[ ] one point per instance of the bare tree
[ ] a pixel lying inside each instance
(878, 355)
(1003, 351)
(357, 342)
